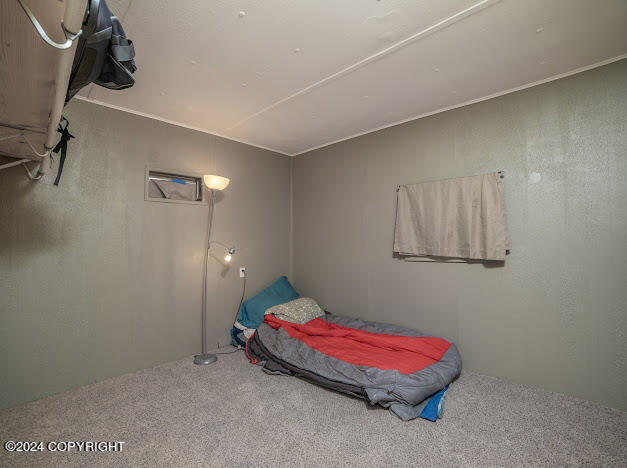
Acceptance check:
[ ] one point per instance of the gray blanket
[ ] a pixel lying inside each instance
(278, 352)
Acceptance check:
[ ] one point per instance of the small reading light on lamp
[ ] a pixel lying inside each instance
(215, 184)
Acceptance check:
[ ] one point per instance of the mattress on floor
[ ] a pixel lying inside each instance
(396, 367)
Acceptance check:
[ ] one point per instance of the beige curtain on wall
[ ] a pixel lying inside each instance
(461, 219)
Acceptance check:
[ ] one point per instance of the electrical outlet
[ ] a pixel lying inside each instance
(242, 272)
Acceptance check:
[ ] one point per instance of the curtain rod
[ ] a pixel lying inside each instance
(501, 173)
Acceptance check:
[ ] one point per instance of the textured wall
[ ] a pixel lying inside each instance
(555, 316)
(95, 281)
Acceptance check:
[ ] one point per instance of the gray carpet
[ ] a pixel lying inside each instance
(233, 414)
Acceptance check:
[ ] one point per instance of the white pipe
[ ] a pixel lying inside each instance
(72, 19)
(68, 41)
(34, 150)
(30, 175)
(14, 163)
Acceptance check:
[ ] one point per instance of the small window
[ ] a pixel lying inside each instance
(173, 187)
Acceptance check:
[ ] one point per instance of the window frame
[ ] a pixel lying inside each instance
(186, 175)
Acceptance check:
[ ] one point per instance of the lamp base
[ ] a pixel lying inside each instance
(204, 359)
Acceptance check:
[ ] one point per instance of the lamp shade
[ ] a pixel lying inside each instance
(215, 182)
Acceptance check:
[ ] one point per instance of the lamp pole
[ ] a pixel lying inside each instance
(205, 357)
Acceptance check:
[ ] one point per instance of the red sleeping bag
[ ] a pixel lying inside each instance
(405, 354)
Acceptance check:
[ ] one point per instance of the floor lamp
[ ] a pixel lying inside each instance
(214, 184)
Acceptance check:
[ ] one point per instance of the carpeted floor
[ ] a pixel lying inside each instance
(233, 414)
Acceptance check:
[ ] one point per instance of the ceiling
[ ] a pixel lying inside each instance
(296, 75)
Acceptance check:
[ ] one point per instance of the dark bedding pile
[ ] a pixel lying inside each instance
(398, 368)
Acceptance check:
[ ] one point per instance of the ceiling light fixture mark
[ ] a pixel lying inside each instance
(384, 17)
(386, 36)
(539, 30)
(241, 14)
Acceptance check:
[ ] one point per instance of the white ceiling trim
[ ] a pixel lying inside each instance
(476, 7)
(178, 124)
(371, 70)
(472, 101)
(365, 132)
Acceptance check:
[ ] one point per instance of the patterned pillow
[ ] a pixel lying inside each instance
(300, 310)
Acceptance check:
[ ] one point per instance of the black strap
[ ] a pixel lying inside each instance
(62, 146)
(123, 53)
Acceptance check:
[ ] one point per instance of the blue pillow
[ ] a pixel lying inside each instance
(252, 311)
